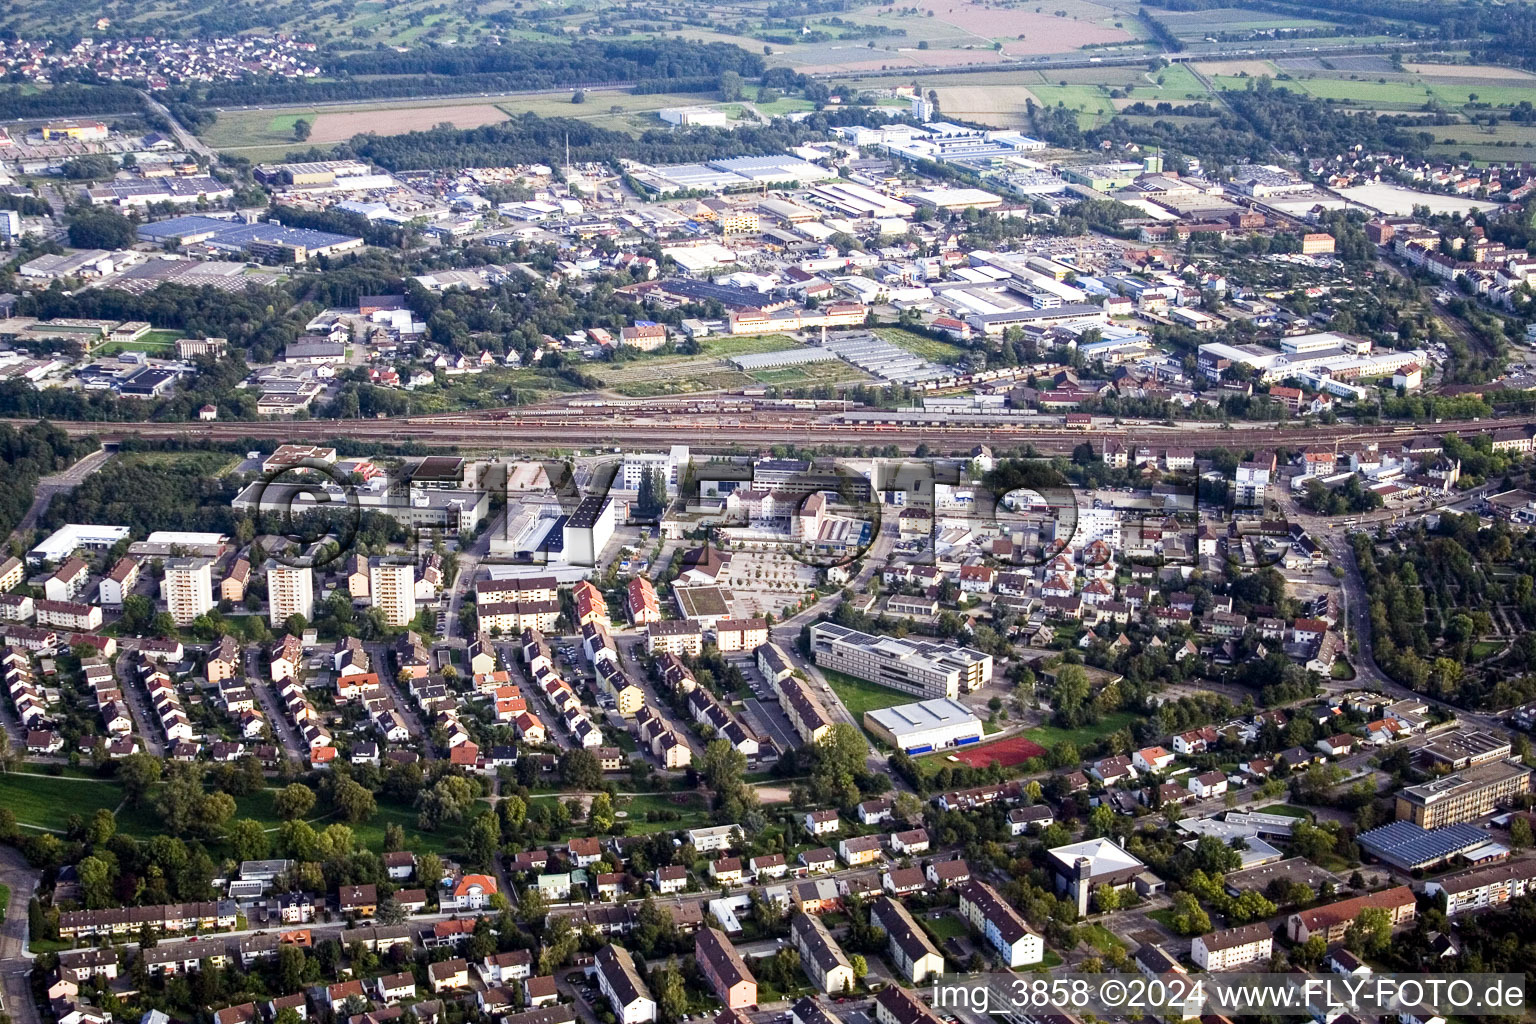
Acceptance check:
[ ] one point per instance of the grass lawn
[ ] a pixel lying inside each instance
(1099, 937)
(188, 463)
(929, 348)
(47, 802)
(946, 927)
(860, 696)
(691, 807)
(833, 371)
(1163, 917)
(1344, 671)
(1049, 735)
(5, 900)
(445, 840)
(1486, 649)
(724, 346)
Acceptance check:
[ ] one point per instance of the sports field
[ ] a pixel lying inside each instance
(1012, 751)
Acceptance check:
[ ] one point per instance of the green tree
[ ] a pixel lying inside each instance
(581, 769)
(671, 993)
(101, 227)
(600, 815)
(1370, 934)
(138, 773)
(95, 876)
(1189, 918)
(301, 129)
(352, 800)
(248, 840)
(293, 801)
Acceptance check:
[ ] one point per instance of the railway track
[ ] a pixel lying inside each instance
(708, 432)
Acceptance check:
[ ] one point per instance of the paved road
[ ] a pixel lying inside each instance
(1356, 616)
(191, 143)
(277, 716)
(15, 961)
(383, 665)
(468, 565)
(51, 486)
(786, 634)
(145, 722)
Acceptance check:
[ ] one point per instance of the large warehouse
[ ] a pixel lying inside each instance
(924, 726)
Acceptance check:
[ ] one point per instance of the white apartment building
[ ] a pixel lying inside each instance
(673, 465)
(290, 591)
(927, 668)
(621, 984)
(1483, 888)
(1224, 950)
(187, 588)
(392, 587)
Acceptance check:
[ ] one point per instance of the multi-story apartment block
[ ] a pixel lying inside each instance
(910, 951)
(70, 615)
(1333, 920)
(820, 955)
(896, 1005)
(119, 582)
(724, 969)
(187, 588)
(1000, 924)
(1224, 950)
(290, 592)
(1484, 888)
(741, 634)
(392, 588)
(674, 636)
(924, 667)
(621, 984)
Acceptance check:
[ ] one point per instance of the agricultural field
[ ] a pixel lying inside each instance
(1196, 25)
(1374, 88)
(1004, 106)
(269, 132)
(967, 32)
(1505, 141)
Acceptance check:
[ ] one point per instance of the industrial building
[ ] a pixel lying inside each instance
(71, 537)
(295, 245)
(925, 726)
(588, 530)
(927, 668)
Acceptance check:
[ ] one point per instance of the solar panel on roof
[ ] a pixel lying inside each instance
(1405, 843)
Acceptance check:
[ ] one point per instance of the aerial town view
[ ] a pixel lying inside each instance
(584, 512)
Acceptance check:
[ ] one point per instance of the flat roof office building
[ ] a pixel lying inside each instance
(927, 668)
